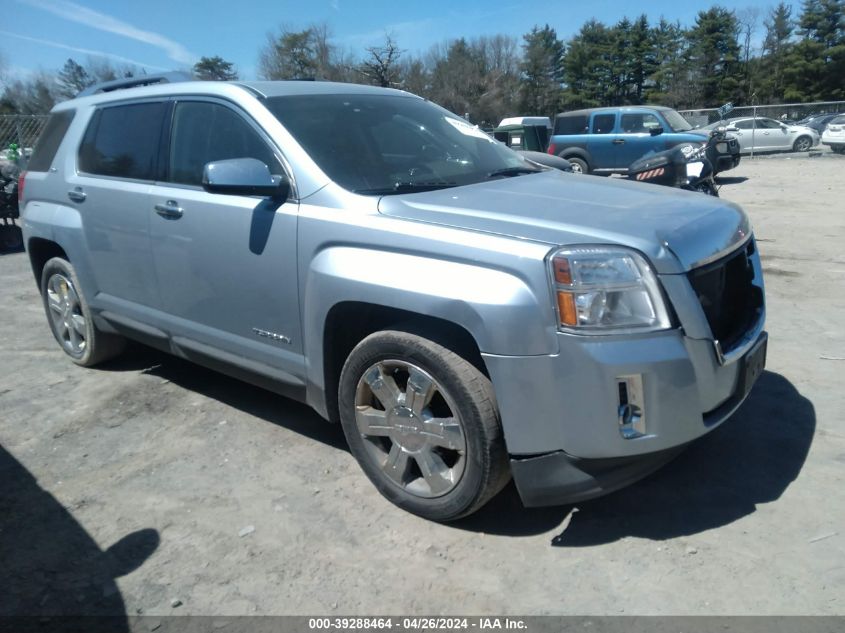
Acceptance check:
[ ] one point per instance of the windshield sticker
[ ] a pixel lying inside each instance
(466, 128)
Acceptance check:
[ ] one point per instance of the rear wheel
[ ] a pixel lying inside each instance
(423, 424)
(579, 165)
(802, 144)
(70, 318)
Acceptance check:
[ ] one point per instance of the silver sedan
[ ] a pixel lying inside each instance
(767, 135)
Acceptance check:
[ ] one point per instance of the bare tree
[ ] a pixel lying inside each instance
(381, 67)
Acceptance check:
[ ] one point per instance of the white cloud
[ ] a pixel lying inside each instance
(83, 15)
(86, 51)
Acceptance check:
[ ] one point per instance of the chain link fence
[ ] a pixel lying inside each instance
(21, 129)
(781, 111)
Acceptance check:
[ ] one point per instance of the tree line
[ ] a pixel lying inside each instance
(743, 56)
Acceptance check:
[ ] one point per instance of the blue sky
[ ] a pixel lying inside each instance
(169, 34)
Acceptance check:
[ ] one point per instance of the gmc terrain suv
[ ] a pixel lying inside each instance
(467, 316)
(606, 141)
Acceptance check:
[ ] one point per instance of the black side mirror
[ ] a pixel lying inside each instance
(656, 130)
(244, 177)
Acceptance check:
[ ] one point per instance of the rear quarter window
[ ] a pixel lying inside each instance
(603, 123)
(123, 141)
(571, 124)
(49, 141)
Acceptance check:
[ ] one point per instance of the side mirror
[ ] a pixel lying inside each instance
(732, 128)
(244, 177)
(656, 130)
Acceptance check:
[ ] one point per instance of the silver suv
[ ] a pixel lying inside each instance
(466, 316)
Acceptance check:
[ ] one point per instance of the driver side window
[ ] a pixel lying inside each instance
(203, 132)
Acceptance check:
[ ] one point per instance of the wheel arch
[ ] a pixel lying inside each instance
(349, 322)
(40, 251)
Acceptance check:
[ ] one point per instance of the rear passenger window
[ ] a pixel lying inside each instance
(49, 141)
(574, 124)
(123, 141)
(603, 123)
(204, 132)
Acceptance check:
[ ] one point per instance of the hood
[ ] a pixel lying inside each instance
(677, 230)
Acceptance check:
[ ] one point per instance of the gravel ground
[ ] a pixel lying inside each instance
(150, 482)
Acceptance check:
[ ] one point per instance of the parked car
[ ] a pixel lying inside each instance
(834, 134)
(529, 136)
(768, 135)
(607, 140)
(816, 121)
(465, 317)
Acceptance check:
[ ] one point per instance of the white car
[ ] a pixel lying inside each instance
(834, 134)
(768, 135)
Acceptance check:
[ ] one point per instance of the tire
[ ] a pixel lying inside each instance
(440, 471)
(70, 319)
(802, 144)
(11, 239)
(579, 165)
(707, 188)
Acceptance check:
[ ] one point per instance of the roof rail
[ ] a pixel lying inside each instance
(134, 82)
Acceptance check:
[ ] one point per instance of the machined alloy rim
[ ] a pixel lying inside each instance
(66, 314)
(576, 168)
(803, 144)
(411, 428)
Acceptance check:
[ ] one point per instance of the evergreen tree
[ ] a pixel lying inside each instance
(713, 57)
(214, 69)
(776, 46)
(815, 68)
(542, 71)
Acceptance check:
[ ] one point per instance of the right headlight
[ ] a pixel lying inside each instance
(606, 290)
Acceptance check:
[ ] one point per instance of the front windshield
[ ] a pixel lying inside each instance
(676, 121)
(385, 144)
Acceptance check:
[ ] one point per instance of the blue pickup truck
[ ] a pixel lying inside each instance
(605, 141)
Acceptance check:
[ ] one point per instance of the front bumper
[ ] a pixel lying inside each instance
(561, 414)
(558, 478)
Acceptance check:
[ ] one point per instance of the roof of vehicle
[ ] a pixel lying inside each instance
(525, 120)
(222, 88)
(612, 109)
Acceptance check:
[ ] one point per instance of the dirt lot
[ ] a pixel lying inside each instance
(185, 485)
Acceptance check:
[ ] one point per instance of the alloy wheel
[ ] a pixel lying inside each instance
(66, 314)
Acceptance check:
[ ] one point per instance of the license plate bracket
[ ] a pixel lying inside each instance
(752, 365)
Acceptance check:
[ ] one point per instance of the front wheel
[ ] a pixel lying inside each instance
(70, 317)
(423, 424)
(802, 144)
(708, 188)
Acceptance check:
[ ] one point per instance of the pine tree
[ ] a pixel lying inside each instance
(714, 57)
(72, 79)
(542, 71)
(214, 69)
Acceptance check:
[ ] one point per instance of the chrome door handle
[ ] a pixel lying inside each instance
(77, 195)
(169, 209)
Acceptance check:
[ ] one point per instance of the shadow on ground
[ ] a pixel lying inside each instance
(730, 180)
(248, 398)
(49, 565)
(751, 459)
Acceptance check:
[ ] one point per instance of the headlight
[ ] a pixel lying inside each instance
(606, 290)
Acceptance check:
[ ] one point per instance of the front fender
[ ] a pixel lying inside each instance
(498, 309)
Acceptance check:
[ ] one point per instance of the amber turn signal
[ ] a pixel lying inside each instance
(566, 307)
(563, 274)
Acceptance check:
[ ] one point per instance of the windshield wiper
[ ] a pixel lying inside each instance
(513, 171)
(408, 187)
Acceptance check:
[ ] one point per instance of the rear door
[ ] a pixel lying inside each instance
(117, 163)
(602, 143)
(226, 263)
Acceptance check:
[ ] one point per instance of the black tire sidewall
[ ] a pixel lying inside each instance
(63, 267)
(575, 160)
(467, 494)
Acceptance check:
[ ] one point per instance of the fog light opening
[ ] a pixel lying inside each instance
(631, 406)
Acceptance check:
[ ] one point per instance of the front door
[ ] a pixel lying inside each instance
(635, 130)
(226, 264)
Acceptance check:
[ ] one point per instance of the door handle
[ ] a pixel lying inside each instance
(76, 194)
(619, 141)
(169, 209)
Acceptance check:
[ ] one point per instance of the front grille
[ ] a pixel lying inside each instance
(730, 300)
